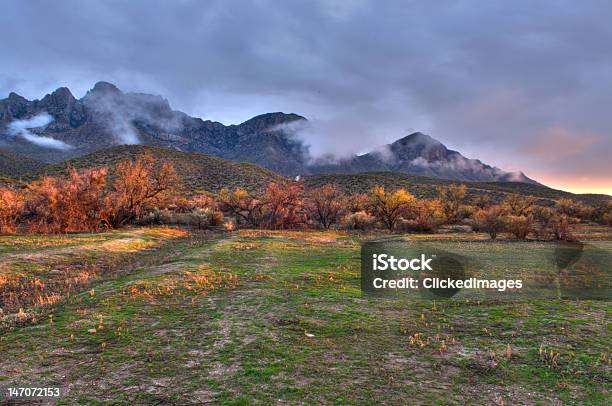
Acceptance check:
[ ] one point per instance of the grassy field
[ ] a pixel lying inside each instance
(166, 317)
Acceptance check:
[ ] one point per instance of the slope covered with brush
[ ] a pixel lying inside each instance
(427, 187)
(16, 165)
(198, 172)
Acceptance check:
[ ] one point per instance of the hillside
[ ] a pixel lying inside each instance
(422, 186)
(201, 172)
(198, 171)
(15, 165)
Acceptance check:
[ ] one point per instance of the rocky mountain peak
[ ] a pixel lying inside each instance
(418, 145)
(105, 87)
(15, 97)
(418, 138)
(267, 122)
(60, 97)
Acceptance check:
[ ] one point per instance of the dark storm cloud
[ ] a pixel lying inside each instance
(493, 79)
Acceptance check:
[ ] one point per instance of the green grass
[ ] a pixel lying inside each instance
(296, 329)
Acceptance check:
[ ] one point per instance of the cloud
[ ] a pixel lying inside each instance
(121, 113)
(557, 143)
(21, 128)
(482, 78)
(344, 135)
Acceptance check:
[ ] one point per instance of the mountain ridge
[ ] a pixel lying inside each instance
(105, 116)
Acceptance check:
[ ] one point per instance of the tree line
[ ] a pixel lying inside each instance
(145, 191)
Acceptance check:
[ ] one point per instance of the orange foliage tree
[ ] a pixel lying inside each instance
(520, 226)
(326, 205)
(138, 186)
(389, 207)
(245, 207)
(491, 220)
(427, 215)
(67, 205)
(284, 205)
(452, 197)
(11, 208)
(518, 205)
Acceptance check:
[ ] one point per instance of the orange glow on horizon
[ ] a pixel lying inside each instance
(599, 186)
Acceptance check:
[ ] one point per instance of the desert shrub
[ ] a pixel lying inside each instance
(542, 217)
(423, 216)
(357, 202)
(206, 217)
(86, 201)
(326, 205)
(139, 186)
(11, 208)
(452, 197)
(518, 205)
(284, 206)
(281, 207)
(467, 211)
(519, 226)
(246, 208)
(602, 213)
(490, 220)
(389, 207)
(229, 225)
(203, 218)
(606, 219)
(482, 201)
(572, 208)
(360, 220)
(202, 202)
(560, 227)
(183, 204)
(551, 223)
(75, 204)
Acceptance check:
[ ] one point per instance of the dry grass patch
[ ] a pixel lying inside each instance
(37, 278)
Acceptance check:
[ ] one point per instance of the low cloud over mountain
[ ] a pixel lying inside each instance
(66, 127)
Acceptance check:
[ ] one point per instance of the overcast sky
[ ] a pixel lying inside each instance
(523, 85)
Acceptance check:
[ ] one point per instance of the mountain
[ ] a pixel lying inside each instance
(105, 117)
(198, 172)
(60, 127)
(420, 154)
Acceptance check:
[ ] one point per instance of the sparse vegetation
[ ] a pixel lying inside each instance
(189, 319)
